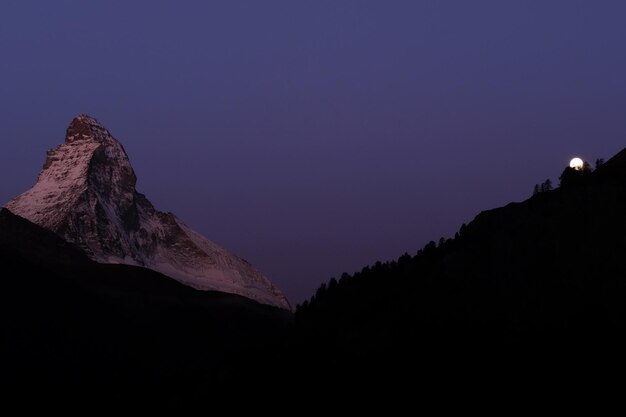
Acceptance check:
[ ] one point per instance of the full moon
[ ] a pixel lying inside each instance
(576, 163)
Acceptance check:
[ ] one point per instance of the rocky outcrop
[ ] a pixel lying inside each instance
(86, 194)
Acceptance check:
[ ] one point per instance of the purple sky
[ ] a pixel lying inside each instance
(316, 137)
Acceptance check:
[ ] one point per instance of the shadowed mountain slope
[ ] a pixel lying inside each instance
(539, 281)
(125, 333)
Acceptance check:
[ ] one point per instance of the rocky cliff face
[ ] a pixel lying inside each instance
(86, 194)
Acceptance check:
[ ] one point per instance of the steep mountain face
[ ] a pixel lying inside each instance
(86, 194)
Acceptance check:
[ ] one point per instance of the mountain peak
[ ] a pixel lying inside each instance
(85, 127)
(86, 194)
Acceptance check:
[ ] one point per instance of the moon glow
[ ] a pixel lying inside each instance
(576, 163)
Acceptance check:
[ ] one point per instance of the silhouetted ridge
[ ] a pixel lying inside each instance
(110, 334)
(36, 243)
(613, 170)
(548, 272)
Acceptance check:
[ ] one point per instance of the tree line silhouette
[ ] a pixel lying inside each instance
(545, 271)
(568, 176)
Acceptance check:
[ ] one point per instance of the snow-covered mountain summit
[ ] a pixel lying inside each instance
(86, 194)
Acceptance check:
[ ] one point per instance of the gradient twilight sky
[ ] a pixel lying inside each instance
(316, 137)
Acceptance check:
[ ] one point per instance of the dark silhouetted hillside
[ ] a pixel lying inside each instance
(529, 288)
(529, 284)
(115, 333)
